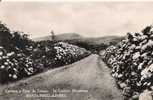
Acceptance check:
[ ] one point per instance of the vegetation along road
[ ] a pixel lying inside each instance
(87, 79)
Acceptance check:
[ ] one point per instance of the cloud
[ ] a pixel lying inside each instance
(86, 18)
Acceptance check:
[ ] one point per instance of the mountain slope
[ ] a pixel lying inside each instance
(64, 36)
(89, 43)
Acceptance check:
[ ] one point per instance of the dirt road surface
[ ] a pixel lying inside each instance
(87, 79)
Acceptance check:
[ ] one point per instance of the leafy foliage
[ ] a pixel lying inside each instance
(21, 57)
(132, 62)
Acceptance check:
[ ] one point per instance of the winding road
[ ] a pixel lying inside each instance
(87, 79)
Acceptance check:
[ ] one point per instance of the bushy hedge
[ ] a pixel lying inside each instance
(132, 62)
(16, 65)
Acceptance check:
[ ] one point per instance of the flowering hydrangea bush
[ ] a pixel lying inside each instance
(131, 61)
(67, 53)
(15, 65)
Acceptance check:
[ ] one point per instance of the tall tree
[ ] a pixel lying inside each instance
(5, 36)
(52, 35)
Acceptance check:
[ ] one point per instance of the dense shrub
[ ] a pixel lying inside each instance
(16, 65)
(132, 62)
(67, 53)
(21, 57)
(58, 54)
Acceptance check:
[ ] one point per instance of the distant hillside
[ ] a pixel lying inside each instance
(76, 37)
(95, 44)
(92, 44)
(64, 36)
(105, 40)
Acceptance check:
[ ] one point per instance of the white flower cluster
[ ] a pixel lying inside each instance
(132, 62)
(67, 53)
(14, 65)
(6, 64)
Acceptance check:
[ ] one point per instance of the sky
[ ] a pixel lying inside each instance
(89, 19)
